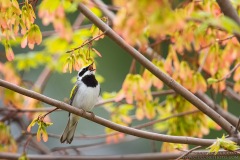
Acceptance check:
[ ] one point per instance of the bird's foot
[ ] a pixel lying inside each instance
(83, 112)
(92, 114)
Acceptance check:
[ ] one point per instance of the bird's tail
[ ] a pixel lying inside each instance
(69, 131)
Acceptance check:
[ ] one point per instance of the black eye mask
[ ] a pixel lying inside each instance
(82, 72)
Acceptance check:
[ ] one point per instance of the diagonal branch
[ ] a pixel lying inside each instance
(227, 115)
(154, 70)
(104, 122)
(230, 12)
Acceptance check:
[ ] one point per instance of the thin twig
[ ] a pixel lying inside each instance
(230, 73)
(232, 94)
(26, 144)
(164, 119)
(42, 117)
(95, 145)
(188, 152)
(218, 41)
(132, 69)
(8, 116)
(74, 147)
(87, 42)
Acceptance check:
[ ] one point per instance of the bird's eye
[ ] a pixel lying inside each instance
(80, 74)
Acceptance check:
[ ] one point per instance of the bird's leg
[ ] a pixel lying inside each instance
(92, 114)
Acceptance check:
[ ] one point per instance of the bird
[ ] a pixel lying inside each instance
(84, 95)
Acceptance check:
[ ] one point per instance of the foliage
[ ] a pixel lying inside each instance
(7, 142)
(42, 128)
(223, 143)
(12, 17)
(23, 157)
(192, 42)
(197, 50)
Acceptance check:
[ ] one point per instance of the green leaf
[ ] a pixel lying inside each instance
(93, 28)
(69, 6)
(178, 146)
(47, 124)
(150, 110)
(224, 103)
(30, 60)
(125, 108)
(108, 95)
(214, 147)
(212, 80)
(228, 144)
(42, 128)
(32, 124)
(49, 5)
(56, 45)
(23, 157)
(223, 143)
(39, 134)
(97, 52)
(96, 11)
(229, 24)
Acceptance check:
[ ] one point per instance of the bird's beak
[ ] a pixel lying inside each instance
(90, 67)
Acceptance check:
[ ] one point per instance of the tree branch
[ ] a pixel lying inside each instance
(141, 156)
(154, 70)
(104, 122)
(229, 11)
(227, 115)
(232, 94)
(140, 126)
(105, 10)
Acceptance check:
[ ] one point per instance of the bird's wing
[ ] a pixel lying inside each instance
(99, 91)
(73, 93)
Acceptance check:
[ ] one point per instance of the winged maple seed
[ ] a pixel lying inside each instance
(42, 127)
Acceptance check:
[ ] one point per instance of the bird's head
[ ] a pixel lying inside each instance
(88, 70)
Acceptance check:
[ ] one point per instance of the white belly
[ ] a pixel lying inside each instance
(86, 97)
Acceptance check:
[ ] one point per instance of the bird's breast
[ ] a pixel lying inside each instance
(86, 97)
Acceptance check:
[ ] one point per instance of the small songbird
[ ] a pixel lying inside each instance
(84, 95)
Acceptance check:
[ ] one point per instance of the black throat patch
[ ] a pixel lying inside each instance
(90, 80)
